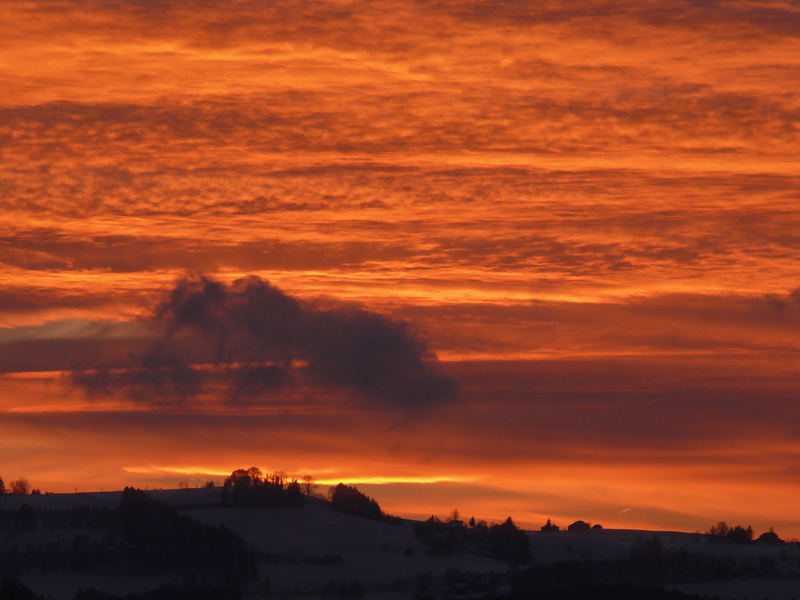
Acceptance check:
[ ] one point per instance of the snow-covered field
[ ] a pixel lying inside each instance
(371, 552)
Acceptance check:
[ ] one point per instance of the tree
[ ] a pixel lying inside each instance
(254, 473)
(509, 543)
(733, 534)
(277, 478)
(348, 499)
(444, 538)
(740, 534)
(20, 487)
(254, 488)
(308, 484)
(238, 486)
(243, 481)
(550, 527)
(294, 496)
(2, 486)
(721, 529)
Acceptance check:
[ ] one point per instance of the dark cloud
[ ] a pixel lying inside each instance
(161, 375)
(252, 338)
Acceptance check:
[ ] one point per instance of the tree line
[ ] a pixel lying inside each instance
(142, 535)
(503, 541)
(17, 487)
(737, 533)
(251, 487)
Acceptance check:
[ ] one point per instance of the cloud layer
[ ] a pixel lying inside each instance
(605, 192)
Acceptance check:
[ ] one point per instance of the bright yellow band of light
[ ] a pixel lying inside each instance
(370, 479)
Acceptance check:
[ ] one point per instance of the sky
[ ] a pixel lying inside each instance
(527, 259)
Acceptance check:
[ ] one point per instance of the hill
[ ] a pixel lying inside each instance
(313, 550)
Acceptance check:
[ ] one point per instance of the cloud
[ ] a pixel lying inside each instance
(50, 250)
(19, 299)
(252, 338)
(609, 183)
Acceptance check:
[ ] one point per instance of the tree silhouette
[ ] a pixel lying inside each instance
(294, 495)
(2, 486)
(20, 486)
(251, 487)
(720, 530)
(733, 534)
(153, 533)
(308, 484)
(740, 534)
(348, 499)
(277, 478)
(445, 538)
(549, 527)
(509, 543)
(503, 541)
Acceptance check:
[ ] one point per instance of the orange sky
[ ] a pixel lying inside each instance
(588, 209)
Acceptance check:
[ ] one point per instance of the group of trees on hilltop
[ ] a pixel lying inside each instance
(251, 487)
(737, 533)
(503, 541)
(18, 487)
(348, 499)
